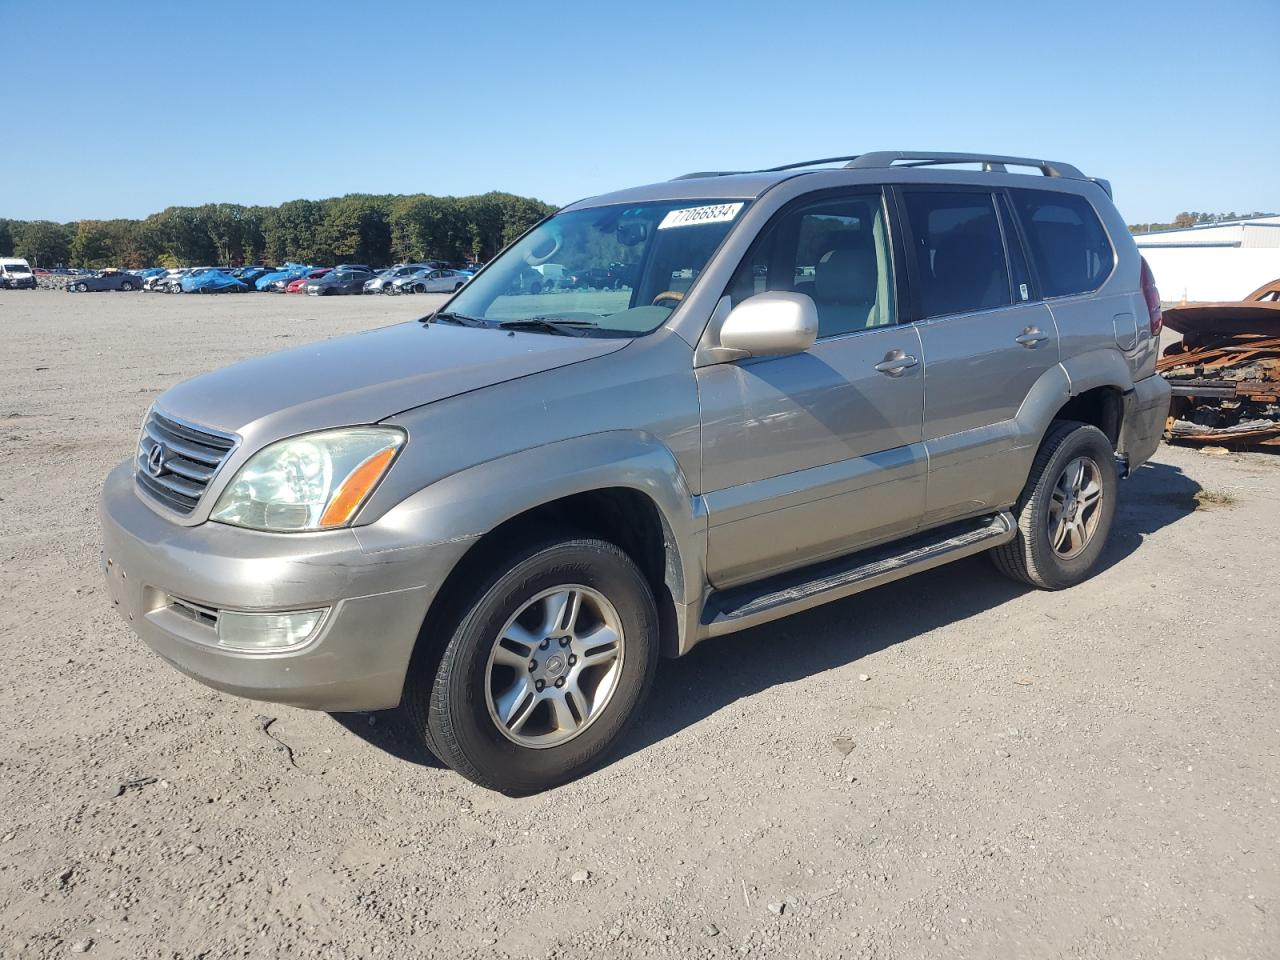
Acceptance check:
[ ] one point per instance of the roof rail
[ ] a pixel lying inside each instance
(992, 163)
(808, 163)
(778, 169)
(698, 175)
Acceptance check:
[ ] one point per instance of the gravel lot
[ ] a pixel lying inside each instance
(951, 766)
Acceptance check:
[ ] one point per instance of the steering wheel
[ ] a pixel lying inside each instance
(668, 295)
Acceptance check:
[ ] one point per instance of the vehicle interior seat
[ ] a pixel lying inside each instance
(967, 271)
(845, 283)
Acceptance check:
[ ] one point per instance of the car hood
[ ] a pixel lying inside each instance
(366, 377)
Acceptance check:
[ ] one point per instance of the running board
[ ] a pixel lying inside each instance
(779, 596)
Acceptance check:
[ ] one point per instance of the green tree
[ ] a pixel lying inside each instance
(290, 231)
(355, 229)
(44, 243)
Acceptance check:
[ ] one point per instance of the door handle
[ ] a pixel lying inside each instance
(1031, 337)
(895, 362)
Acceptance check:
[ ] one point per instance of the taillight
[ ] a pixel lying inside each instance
(1155, 316)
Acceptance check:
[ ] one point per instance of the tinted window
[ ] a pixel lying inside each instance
(1071, 251)
(958, 250)
(837, 252)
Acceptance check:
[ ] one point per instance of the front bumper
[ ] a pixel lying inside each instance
(377, 600)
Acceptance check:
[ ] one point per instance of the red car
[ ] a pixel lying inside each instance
(297, 286)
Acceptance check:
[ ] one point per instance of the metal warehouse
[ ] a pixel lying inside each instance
(1213, 261)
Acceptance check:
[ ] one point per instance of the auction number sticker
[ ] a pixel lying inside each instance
(693, 216)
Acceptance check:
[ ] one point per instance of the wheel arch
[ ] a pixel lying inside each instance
(1089, 387)
(624, 487)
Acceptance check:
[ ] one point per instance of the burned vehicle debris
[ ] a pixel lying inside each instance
(1225, 372)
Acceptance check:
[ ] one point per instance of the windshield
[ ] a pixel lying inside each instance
(616, 270)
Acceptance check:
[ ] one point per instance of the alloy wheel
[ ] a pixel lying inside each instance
(555, 666)
(1074, 507)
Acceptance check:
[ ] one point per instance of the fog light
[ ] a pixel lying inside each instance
(267, 632)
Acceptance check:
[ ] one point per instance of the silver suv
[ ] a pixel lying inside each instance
(661, 415)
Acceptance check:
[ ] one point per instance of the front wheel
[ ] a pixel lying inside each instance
(1065, 511)
(82, 287)
(127, 287)
(549, 660)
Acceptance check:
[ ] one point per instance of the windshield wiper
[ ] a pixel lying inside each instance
(563, 326)
(461, 319)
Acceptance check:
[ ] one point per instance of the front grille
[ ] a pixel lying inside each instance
(189, 459)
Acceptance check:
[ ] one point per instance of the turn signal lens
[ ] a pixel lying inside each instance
(355, 488)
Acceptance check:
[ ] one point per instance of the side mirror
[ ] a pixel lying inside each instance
(771, 325)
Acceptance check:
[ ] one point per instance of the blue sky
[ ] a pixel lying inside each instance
(143, 106)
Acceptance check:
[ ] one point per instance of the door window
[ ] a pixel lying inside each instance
(835, 251)
(1069, 247)
(958, 251)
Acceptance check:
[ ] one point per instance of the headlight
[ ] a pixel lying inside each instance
(313, 482)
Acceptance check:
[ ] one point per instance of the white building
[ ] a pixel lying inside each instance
(1213, 261)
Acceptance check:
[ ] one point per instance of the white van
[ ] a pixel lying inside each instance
(16, 274)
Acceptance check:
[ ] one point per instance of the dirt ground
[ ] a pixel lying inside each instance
(951, 766)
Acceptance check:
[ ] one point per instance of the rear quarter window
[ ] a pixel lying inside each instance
(1068, 245)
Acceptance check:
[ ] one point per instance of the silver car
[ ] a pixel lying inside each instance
(381, 283)
(807, 382)
(431, 280)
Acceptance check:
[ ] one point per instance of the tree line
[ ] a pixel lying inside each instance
(1194, 218)
(357, 228)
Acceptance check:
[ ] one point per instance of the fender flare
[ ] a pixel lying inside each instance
(1061, 382)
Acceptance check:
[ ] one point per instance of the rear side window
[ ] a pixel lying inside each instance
(959, 253)
(1070, 249)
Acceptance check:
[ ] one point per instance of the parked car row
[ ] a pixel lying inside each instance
(345, 278)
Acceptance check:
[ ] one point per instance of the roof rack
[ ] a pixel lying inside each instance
(991, 163)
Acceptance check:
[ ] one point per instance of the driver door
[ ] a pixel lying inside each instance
(816, 454)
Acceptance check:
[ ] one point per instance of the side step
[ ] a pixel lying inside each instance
(779, 596)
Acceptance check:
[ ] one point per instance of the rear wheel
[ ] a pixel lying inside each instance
(547, 663)
(1065, 511)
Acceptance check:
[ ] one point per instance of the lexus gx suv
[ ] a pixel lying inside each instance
(800, 383)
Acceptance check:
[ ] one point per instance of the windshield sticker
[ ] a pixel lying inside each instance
(693, 216)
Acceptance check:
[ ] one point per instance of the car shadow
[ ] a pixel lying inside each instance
(722, 670)
(387, 730)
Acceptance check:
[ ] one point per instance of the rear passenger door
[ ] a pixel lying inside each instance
(816, 454)
(986, 340)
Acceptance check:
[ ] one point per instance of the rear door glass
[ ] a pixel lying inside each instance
(958, 250)
(1069, 247)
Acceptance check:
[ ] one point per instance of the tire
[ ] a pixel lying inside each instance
(126, 286)
(457, 287)
(453, 703)
(1031, 556)
(82, 287)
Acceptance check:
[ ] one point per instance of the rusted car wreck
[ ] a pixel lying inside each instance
(1225, 372)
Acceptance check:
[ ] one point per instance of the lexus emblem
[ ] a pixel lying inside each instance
(155, 460)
